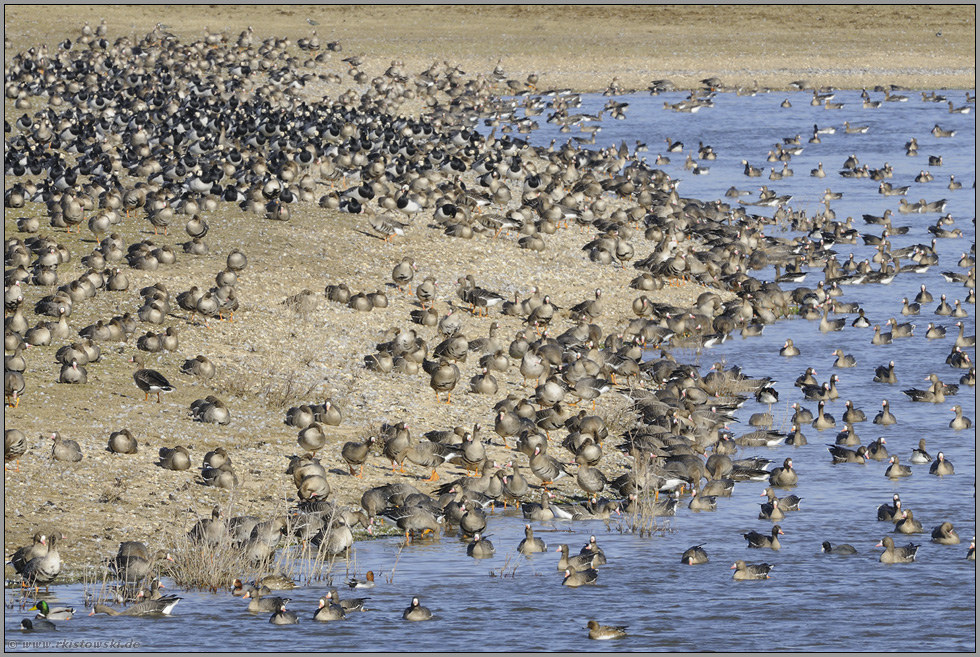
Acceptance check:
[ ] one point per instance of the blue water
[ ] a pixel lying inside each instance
(813, 602)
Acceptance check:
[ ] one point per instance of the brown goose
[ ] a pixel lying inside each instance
(176, 458)
(123, 442)
(745, 571)
(530, 544)
(149, 380)
(356, 454)
(757, 540)
(944, 534)
(65, 449)
(896, 555)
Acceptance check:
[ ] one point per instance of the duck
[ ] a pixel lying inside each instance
(757, 540)
(163, 606)
(149, 380)
(67, 613)
(941, 466)
(908, 524)
(694, 555)
(745, 571)
(944, 534)
(37, 625)
(842, 548)
(885, 417)
(416, 612)
(605, 632)
(785, 476)
(892, 554)
(366, 583)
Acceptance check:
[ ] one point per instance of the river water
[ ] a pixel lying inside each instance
(813, 601)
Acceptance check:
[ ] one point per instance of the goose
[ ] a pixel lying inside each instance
(941, 466)
(576, 578)
(785, 476)
(886, 373)
(885, 417)
(757, 540)
(480, 547)
(959, 422)
(896, 555)
(823, 420)
(891, 512)
(694, 555)
(843, 455)
(416, 612)
(789, 349)
(282, 616)
(896, 470)
(329, 610)
(908, 524)
(853, 415)
(530, 544)
(149, 380)
(745, 571)
(65, 449)
(122, 442)
(944, 534)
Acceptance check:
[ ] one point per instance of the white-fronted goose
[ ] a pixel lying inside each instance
(576, 578)
(785, 476)
(944, 534)
(908, 524)
(744, 571)
(885, 417)
(941, 466)
(149, 380)
(45, 567)
(416, 612)
(122, 442)
(896, 555)
(757, 540)
(329, 610)
(480, 548)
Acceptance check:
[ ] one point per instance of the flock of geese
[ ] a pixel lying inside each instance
(186, 128)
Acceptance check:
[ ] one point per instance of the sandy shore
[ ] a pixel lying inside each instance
(271, 357)
(585, 47)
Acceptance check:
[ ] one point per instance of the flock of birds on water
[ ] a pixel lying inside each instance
(163, 129)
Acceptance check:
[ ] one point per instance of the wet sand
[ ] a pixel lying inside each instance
(271, 357)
